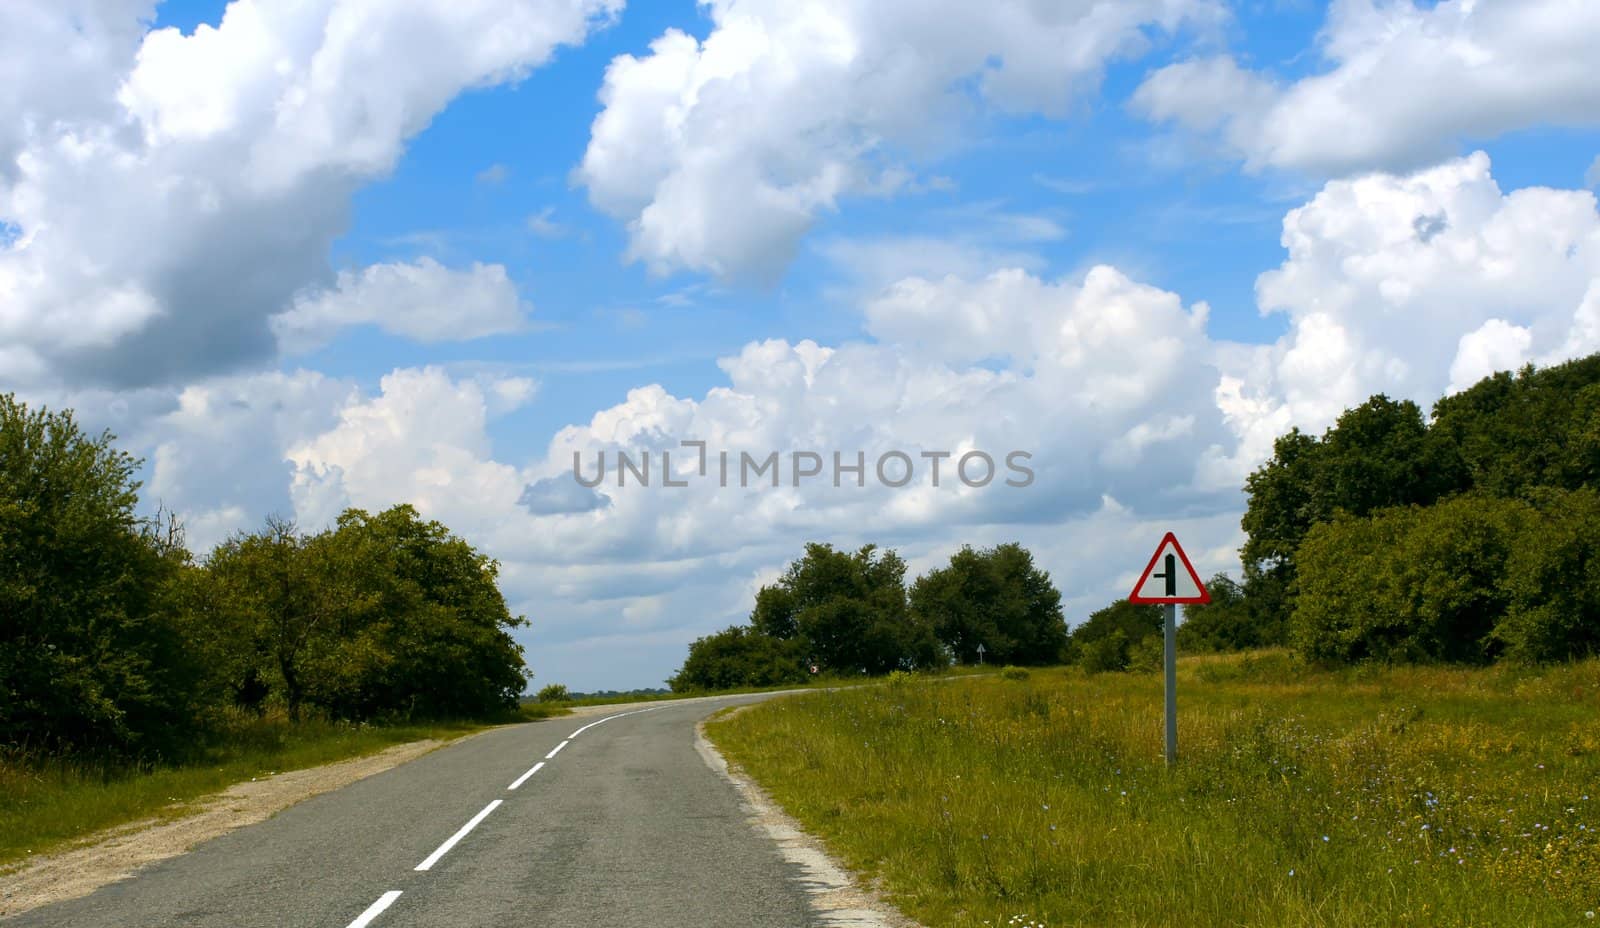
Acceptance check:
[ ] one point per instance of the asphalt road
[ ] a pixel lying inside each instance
(624, 825)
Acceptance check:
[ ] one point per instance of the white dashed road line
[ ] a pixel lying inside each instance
(524, 778)
(465, 830)
(388, 898)
(375, 909)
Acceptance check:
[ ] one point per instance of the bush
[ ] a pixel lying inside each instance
(554, 692)
(1134, 622)
(1231, 621)
(899, 678)
(1552, 582)
(1437, 583)
(1146, 654)
(1013, 673)
(739, 657)
(1107, 654)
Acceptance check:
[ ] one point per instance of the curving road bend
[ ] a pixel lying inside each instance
(611, 819)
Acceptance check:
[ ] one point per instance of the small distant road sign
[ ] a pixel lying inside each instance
(1169, 577)
(980, 652)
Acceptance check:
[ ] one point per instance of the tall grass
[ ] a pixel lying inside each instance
(1426, 796)
(48, 801)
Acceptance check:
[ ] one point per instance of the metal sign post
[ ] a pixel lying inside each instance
(1171, 688)
(980, 653)
(1168, 587)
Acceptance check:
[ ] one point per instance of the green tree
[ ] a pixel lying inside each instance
(386, 615)
(1282, 505)
(739, 656)
(774, 614)
(995, 597)
(851, 614)
(283, 596)
(1229, 622)
(1376, 455)
(1537, 428)
(89, 655)
(420, 627)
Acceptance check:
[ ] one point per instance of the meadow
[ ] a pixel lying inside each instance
(1358, 797)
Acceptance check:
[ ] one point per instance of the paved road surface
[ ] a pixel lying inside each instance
(623, 826)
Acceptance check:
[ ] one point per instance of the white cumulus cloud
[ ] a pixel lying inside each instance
(165, 193)
(1404, 83)
(1413, 285)
(719, 153)
(422, 300)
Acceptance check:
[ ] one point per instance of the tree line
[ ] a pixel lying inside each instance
(115, 639)
(1471, 534)
(849, 613)
(1468, 535)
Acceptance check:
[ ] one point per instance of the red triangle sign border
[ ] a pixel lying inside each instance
(1169, 538)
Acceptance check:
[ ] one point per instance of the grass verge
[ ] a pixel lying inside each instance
(1399, 796)
(46, 803)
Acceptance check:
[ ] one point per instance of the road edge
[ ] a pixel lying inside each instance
(836, 896)
(118, 853)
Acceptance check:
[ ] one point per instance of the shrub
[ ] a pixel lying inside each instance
(740, 656)
(554, 692)
(1408, 584)
(1013, 673)
(1145, 655)
(1553, 582)
(1106, 654)
(1132, 621)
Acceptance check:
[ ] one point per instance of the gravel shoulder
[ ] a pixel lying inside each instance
(839, 898)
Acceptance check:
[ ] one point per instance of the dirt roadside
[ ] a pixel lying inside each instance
(117, 853)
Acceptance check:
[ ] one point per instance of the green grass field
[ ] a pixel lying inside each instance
(1374, 796)
(46, 803)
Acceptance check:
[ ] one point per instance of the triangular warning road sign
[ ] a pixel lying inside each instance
(1169, 577)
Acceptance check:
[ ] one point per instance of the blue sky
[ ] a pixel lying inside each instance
(409, 274)
(1201, 229)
